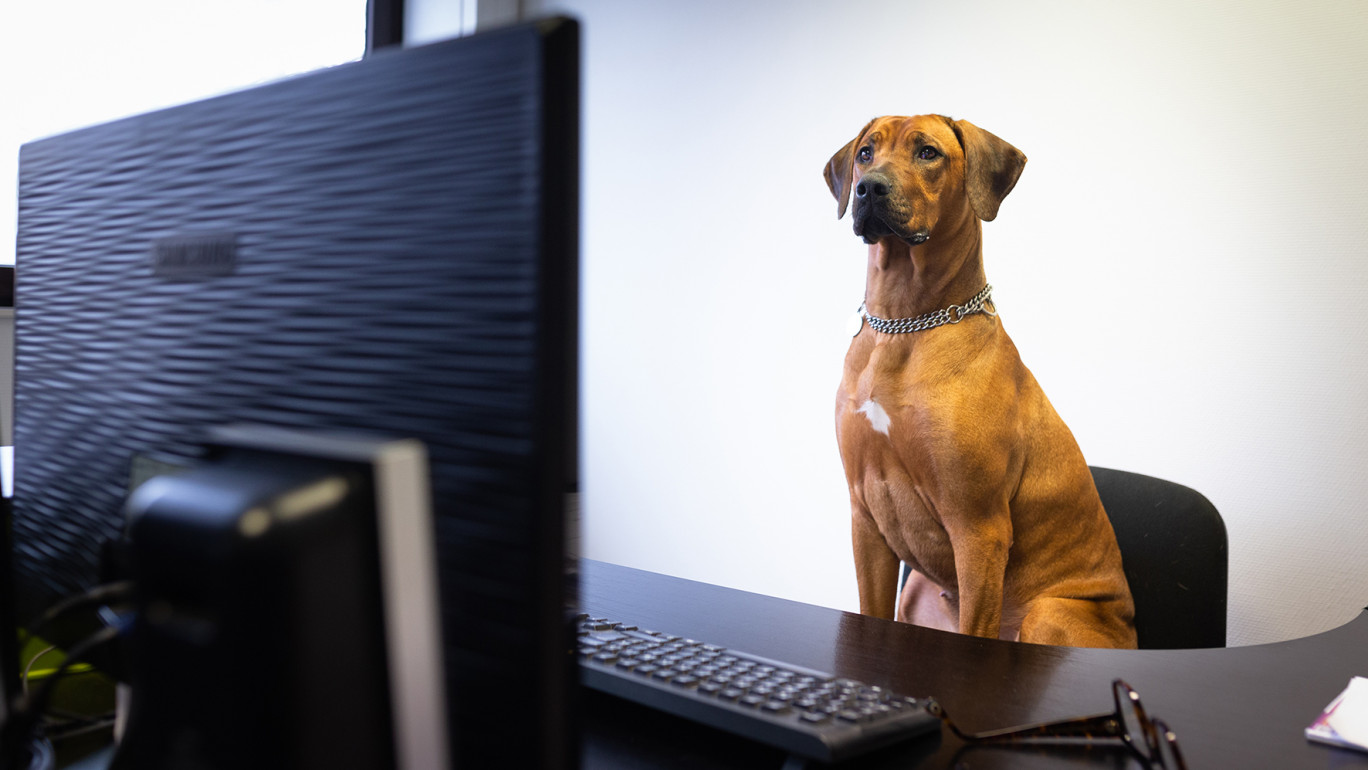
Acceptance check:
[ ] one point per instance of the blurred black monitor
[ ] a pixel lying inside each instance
(388, 246)
(286, 596)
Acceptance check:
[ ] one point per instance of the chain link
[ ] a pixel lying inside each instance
(950, 315)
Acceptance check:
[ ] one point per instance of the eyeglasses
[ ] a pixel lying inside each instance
(1150, 739)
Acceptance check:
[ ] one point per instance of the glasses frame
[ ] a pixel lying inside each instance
(1157, 745)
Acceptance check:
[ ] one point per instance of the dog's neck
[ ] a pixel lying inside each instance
(905, 280)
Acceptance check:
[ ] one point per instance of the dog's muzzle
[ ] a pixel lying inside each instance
(881, 211)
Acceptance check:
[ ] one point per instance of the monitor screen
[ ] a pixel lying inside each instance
(388, 246)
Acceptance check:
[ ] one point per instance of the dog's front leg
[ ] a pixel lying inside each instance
(876, 566)
(981, 568)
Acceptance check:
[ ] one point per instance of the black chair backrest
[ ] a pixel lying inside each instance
(1173, 545)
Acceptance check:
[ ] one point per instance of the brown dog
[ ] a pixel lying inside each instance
(957, 463)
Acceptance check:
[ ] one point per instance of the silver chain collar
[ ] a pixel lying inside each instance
(949, 315)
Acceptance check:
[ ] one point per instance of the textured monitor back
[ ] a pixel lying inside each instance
(387, 246)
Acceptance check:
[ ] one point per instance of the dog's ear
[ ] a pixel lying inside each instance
(841, 169)
(991, 168)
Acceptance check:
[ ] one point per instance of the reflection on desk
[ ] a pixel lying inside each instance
(1240, 707)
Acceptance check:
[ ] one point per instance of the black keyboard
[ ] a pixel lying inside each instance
(805, 712)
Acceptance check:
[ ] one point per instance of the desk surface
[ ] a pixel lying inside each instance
(1233, 707)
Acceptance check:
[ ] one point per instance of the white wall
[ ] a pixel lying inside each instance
(1182, 265)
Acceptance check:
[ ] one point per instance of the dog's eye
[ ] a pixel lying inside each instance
(865, 155)
(928, 153)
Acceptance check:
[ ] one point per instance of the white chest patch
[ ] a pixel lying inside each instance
(878, 418)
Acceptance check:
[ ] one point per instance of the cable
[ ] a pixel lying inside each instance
(28, 670)
(61, 731)
(36, 702)
(22, 727)
(101, 594)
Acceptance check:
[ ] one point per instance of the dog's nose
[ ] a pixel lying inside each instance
(872, 186)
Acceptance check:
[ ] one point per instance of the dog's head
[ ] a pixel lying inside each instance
(909, 174)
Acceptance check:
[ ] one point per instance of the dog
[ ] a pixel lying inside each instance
(957, 464)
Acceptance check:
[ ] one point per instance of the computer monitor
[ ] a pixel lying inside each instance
(388, 246)
(286, 595)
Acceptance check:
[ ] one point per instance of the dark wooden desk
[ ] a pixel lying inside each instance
(1240, 707)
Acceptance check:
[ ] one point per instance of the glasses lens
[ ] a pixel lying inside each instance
(1138, 731)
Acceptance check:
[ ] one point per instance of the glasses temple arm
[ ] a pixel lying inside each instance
(1098, 726)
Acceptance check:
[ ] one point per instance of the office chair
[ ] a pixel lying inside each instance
(1173, 546)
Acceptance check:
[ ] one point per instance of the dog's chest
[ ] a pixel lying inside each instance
(882, 399)
(884, 484)
(884, 414)
(906, 517)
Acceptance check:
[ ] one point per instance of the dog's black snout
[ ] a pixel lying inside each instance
(872, 186)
